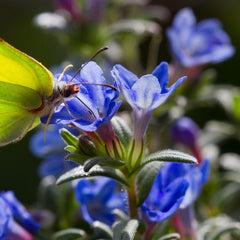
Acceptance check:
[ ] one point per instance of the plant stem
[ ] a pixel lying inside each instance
(132, 200)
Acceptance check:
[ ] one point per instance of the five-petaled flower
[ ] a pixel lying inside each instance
(196, 44)
(144, 94)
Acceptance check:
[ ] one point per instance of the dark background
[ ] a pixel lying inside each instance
(18, 167)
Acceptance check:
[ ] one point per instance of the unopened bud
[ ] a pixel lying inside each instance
(87, 145)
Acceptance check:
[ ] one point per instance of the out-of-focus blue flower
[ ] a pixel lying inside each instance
(92, 106)
(52, 151)
(177, 185)
(98, 198)
(15, 222)
(196, 44)
(144, 94)
(184, 131)
(19, 212)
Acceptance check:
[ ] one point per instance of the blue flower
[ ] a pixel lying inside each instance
(52, 151)
(98, 198)
(164, 198)
(196, 44)
(144, 94)
(15, 222)
(92, 106)
(177, 185)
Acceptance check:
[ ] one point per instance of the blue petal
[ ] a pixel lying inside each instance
(146, 88)
(19, 212)
(55, 165)
(125, 80)
(166, 93)
(53, 143)
(161, 73)
(98, 198)
(165, 204)
(184, 18)
(92, 73)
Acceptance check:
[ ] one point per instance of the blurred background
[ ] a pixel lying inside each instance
(18, 169)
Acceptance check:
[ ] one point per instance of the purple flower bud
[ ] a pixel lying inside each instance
(184, 131)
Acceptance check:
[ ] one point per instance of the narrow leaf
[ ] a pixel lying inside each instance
(171, 236)
(69, 234)
(145, 180)
(97, 170)
(120, 214)
(170, 156)
(71, 149)
(103, 228)
(224, 229)
(125, 229)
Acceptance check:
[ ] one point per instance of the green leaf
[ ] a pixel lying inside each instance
(236, 106)
(69, 234)
(234, 226)
(121, 130)
(97, 170)
(145, 180)
(120, 214)
(125, 229)
(102, 160)
(171, 236)
(170, 156)
(103, 228)
(69, 138)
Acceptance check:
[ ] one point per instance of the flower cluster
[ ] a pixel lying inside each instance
(114, 183)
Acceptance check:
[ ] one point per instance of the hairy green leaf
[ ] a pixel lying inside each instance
(69, 234)
(145, 180)
(97, 170)
(125, 229)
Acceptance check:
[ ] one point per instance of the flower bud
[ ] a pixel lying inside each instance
(87, 145)
(184, 131)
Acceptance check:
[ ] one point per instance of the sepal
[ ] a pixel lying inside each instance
(121, 130)
(68, 137)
